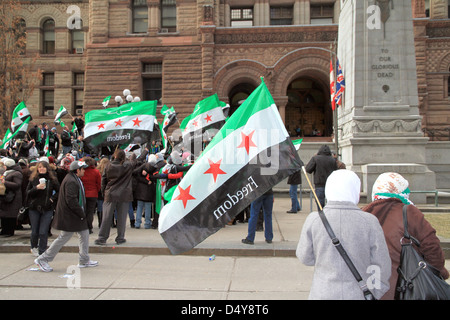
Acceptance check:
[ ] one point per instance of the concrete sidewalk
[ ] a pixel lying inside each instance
(143, 267)
(225, 242)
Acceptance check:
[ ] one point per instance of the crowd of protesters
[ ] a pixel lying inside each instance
(115, 185)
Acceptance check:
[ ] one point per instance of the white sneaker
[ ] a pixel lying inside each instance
(88, 264)
(43, 265)
(35, 252)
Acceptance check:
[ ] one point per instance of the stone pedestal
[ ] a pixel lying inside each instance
(379, 121)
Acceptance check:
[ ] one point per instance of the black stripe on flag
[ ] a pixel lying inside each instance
(225, 203)
(124, 136)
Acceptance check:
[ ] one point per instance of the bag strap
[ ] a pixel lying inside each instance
(406, 234)
(368, 295)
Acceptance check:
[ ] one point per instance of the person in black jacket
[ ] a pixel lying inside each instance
(42, 193)
(66, 140)
(322, 165)
(294, 180)
(70, 217)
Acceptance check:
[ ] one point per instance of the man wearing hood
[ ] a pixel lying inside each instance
(321, 165)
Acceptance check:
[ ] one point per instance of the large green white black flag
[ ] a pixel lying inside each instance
(248, 156)
(130, 123)
(202, 124)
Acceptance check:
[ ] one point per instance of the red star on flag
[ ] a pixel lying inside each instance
(184, 195)
(195, 123)
(208, 118)
(118, 123)
(214, 169)
(247, 141)
(101, 126)
(21, 114)
(136, 122)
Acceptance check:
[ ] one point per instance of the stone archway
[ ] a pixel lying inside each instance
(235, 74)
(303, 77)
(308, 109)
(238, 94)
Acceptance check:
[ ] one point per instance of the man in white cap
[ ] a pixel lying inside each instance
(70, 218)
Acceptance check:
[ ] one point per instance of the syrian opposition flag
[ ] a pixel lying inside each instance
(6, 139)
(106, 101)
(207, 116)
(47, 146)
(332, 86)
(18, 134)
(61, 113)
(130, 123)
(248, 156)
(19, 114)
(170, 116)
(297, 143)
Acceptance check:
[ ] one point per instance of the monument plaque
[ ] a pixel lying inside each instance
(379, 119)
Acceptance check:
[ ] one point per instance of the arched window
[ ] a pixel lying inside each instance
(48, 29)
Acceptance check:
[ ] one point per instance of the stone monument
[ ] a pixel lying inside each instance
(379, 120)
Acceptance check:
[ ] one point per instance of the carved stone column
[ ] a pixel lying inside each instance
(380, 119)
(153, 16)
(99, 21)
(207, 31)
(439, 9)
(281, 102)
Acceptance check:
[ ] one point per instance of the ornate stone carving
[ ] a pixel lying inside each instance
(277, 37)
(377, 127)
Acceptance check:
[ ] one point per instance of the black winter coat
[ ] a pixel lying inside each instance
(142, 190)
(13, 182)
(295, 178)
(322, 165)
(70, 215)
(42, 200)
(117, 181)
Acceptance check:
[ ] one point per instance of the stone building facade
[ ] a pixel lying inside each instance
(181, 51)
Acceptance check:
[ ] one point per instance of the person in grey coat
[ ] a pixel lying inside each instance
(359, 233)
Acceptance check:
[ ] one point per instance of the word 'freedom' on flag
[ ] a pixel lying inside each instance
(129, 123)
(248, 156)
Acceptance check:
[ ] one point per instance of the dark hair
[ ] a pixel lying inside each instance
(90, 161)
(119, 155)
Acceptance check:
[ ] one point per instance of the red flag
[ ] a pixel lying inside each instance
(332, 86)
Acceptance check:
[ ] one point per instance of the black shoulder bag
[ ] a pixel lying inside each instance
(417, 280)
(368, 295)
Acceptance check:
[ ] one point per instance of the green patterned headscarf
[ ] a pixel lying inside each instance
(391, 185)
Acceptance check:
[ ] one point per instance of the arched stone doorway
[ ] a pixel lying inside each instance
(238, 94)
(308, 109)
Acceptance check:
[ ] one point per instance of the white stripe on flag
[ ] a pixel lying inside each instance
(269, 131)
(205, 119)
(135, 122)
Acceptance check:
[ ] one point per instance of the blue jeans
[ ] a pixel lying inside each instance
(40, 226)
(266, 203)
(147, 207)
(295, 205)
(320, 192)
